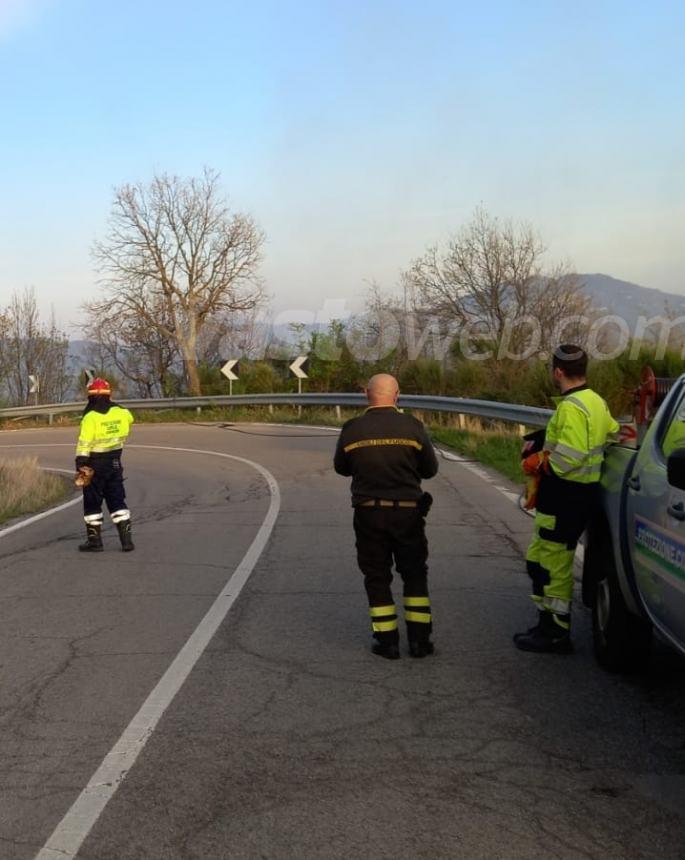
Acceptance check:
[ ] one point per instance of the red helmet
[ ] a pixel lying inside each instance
(98, 386)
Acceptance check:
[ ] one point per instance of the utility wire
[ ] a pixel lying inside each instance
(234, 429)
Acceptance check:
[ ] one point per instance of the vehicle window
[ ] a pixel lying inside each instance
(673, 435)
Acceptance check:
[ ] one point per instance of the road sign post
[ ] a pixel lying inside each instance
(299, 368)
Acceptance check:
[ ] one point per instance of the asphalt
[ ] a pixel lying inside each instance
(289, 739)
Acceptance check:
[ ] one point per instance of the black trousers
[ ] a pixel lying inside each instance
(107, 485)
(394, 535)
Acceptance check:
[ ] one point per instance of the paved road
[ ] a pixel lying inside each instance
(288, 739)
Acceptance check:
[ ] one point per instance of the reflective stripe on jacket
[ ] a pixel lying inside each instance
(103, 432)
(577, 435)
(387, 453)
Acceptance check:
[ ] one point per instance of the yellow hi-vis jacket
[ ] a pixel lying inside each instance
(103, 432)
(577, 435)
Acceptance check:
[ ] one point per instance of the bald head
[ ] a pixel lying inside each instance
(382, 390)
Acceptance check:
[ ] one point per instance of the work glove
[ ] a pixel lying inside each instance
(530, 496)
(536, 464)
(84, 476)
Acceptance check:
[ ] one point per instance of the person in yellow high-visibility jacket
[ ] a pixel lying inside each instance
(104, 429)
(570, 466)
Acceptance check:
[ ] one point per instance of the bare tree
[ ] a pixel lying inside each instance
(376, 333)
(30, 347)
(174, 244)
(138, 353)
(231, 335)
(491, 277)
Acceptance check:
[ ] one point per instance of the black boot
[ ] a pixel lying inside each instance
(386, 649)
(93, 542)
(124, 530)
(551, 636)
(419, 638)
(417, 648)
(532, 629)
(386, 646)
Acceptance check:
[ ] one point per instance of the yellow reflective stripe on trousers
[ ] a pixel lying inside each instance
(384, 626)
(545, 521)
(556, 604)
(417, 601)
(379, 611)
(421, 617)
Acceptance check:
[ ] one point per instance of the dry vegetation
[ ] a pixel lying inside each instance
(26, 488)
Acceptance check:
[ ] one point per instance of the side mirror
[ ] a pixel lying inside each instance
(675, 469)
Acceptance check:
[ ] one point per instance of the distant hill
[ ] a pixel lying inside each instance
(610, 295)
(78, 351)
(630, 300)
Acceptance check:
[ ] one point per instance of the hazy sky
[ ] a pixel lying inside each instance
(355, 132)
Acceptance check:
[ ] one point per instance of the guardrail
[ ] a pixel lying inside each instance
(532, 416)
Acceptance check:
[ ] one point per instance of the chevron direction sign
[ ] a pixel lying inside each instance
(300, 366)
(230, 369)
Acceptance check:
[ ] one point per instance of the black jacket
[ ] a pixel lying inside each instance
(387, 454)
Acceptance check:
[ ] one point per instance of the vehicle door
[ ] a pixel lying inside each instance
(656, 521)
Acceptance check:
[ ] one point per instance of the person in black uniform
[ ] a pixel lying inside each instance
(387, 454)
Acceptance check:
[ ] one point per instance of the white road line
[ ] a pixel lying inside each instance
(34, 519)
(73, 829)
(479, 472)
(29, 521)
(79, 820)
(513, 497)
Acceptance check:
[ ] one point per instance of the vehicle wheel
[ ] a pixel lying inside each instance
(622, 641)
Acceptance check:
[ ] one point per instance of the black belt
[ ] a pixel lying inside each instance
(388, 503)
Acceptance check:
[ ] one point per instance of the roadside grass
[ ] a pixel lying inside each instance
(25, 488)
(324, 415)
(497, 447)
